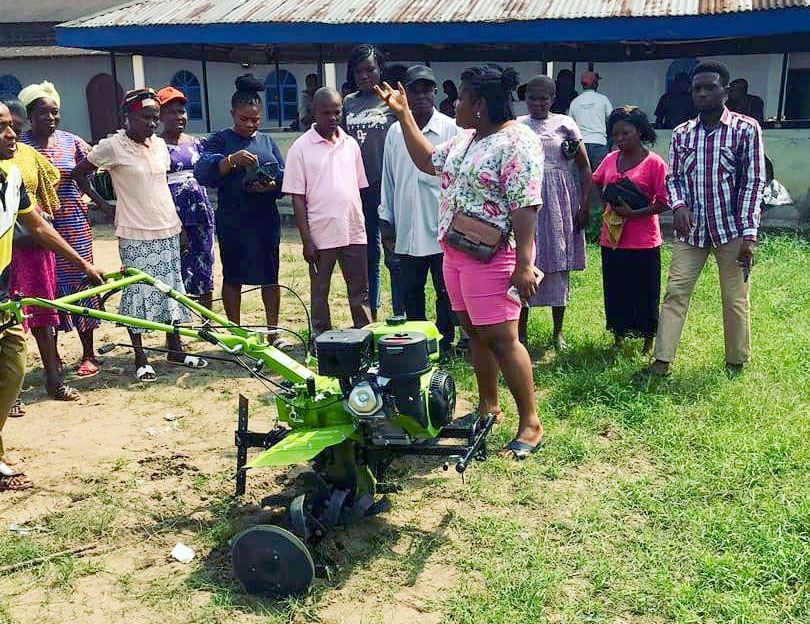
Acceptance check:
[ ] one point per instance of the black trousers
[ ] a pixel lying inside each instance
(413, 272)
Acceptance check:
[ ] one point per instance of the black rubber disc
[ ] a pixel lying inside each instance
(298, 517)
(271, 561)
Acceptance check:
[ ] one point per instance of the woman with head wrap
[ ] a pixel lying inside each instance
(33, 268)
(63, 150)
(146, 222)
(246, 168)
(190, 198)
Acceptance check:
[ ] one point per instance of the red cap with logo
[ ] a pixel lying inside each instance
(169, 94)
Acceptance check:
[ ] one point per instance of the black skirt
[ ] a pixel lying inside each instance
(631, 279)
(249, 239)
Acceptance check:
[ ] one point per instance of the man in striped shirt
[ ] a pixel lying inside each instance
(715, 183)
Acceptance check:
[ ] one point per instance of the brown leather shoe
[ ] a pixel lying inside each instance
(659, 368)
(734, 369)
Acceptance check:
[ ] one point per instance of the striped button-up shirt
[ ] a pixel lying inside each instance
(718, 174)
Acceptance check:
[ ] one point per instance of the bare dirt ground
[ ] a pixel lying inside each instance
(135, 468)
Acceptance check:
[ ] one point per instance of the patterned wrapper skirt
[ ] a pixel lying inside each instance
(33, 274)
(160, 258)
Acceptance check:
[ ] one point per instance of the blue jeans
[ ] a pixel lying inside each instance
(371, 202)
(596, 153)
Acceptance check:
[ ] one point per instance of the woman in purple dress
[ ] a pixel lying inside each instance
(64, 150)
(563, 216)
(190, 197)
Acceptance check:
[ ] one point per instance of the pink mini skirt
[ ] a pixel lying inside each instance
(479, 288)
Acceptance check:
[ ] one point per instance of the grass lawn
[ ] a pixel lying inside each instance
(687, 501)
(684, 501)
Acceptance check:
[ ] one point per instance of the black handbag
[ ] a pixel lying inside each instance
(624, 190)
(570, 147)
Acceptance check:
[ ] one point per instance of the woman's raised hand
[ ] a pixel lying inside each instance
(395, 98)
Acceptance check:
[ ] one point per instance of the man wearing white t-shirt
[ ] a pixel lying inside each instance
(590, 110)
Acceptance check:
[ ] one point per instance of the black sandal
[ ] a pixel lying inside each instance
(521, 450)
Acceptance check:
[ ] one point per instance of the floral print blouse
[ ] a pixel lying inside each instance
(490, 177)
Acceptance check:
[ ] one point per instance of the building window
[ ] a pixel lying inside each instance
(190, 86)
(283, 109)
(10, 87)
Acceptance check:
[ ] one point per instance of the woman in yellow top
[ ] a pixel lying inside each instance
(33, 268)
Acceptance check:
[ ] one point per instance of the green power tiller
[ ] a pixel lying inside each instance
(366, 397)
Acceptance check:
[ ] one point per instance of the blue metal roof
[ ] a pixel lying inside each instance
(146, 23)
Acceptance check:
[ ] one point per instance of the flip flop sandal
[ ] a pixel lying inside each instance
(7, 471)
(87, 368)
(145, 374)
(191, 361)
(521, 450)
(15, 483)
(17, 410)
(64, 392)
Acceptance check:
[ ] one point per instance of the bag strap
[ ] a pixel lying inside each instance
(452, 187)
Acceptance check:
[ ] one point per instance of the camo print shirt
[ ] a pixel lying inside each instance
(490, 177)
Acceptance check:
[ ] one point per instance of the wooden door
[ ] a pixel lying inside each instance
(103, 100)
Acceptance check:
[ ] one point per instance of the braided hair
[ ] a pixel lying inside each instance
(495, 85)
(359, 54)
(247, 91)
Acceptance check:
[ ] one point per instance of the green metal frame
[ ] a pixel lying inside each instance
(314, 400)
(313, 405)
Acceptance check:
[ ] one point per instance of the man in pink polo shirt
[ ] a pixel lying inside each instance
(324, 174)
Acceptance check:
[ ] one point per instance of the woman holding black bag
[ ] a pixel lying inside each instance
(633, 184)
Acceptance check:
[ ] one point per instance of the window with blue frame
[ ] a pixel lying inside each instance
(10, 87)
(284, 109)
(190, 86)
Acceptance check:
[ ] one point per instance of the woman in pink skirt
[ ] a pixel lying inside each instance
(33, 268)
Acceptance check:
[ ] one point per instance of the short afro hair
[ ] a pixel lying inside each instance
(711, 67)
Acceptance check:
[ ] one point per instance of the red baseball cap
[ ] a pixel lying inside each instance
(169, 94)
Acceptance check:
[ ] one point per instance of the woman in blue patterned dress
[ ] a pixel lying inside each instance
(190, 197)
(64, 150)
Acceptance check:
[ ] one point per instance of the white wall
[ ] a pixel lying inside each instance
(638, 82)
(642, 82)
(70, 77)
